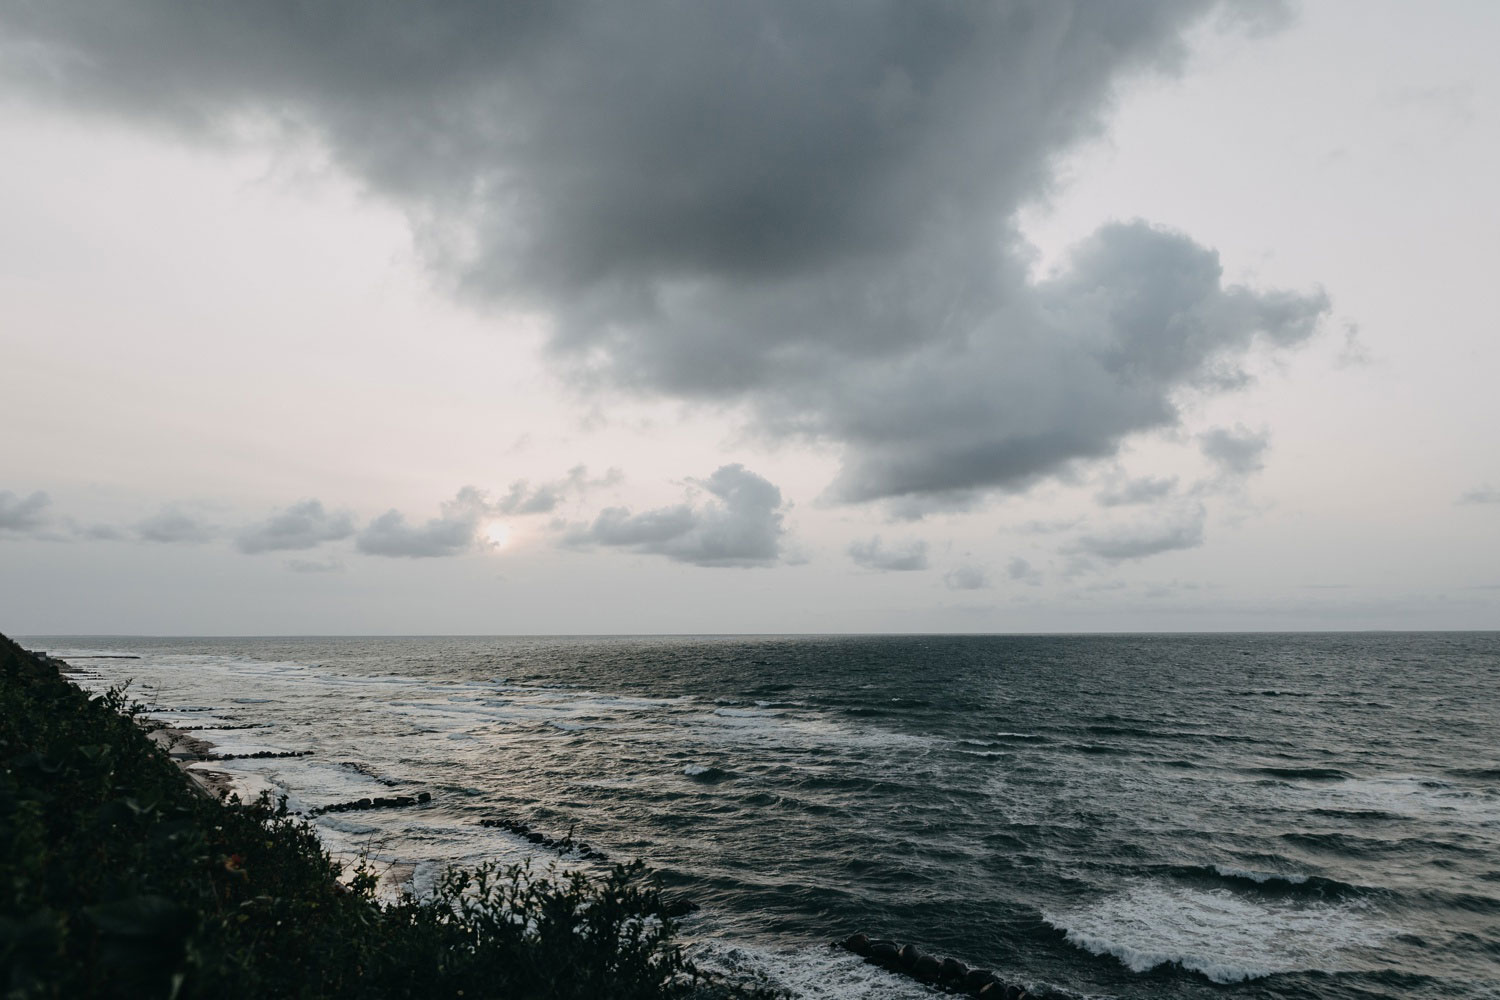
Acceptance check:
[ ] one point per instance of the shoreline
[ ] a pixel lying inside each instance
(215, 784)
(138, 881)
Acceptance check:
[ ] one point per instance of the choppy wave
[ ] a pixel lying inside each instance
(1306, 773)
(707, 773)
(1224, 936)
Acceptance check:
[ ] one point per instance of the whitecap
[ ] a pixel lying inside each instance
(808, 974)
(1226, 937)
(1229, 871)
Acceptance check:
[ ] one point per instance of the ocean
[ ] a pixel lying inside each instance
(1178, 816)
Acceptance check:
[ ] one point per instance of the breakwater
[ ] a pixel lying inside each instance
(948, 973)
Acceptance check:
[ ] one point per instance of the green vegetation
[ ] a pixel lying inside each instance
(119, 879)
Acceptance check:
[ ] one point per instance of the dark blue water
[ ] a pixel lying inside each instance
(1312, 815)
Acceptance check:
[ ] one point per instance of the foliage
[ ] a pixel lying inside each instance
(119, 879)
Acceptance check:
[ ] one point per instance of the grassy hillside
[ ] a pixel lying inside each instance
(118, 878)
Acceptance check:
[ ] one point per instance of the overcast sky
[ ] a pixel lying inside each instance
(772, 317)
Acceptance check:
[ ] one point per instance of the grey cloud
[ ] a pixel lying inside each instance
(1237, 452)
(742, 526)
(523, 498)
(806, 210)
(98, 532)
(966, 578)
(303, 525)
(452, 533)
(1182, 530)
(916, 506)
(314, 565)
(1353, 354)
(1039, 527)
(1137, 491)
(1065, 372)
(873, 554)
(23, 515)
(1482, 495)
(1020, 570)
(171, 526)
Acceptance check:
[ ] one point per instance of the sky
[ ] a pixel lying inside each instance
(784, 317)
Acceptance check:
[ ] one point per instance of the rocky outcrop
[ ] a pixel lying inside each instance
(565, 844)
(379, 802)
(947, 973)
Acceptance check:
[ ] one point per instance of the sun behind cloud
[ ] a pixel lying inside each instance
(497, 535)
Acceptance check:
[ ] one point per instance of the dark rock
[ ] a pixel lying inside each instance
(927, 968)
(679, 906)
(363, 804)
(910, 954)
(978, 978)
(885, 952)
(858, 943)
(535, 838)
(424, 796)
(953, 970)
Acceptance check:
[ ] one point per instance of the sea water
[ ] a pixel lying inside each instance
(1268, 816)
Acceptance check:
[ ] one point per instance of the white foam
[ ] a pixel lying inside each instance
(1226, 937)
(1412, 795)
(809, 973)
(1229, 871)
(744, 713)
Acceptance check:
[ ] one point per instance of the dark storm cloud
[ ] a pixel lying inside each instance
(23, 516)
(1064, 372)
(454, 532)
(742, 526)
(172, 526)
(804, 208)
(874, 554)
(1237, 452)
(1147, 489)
(523, 498)
(1180, 529)
(303, 525)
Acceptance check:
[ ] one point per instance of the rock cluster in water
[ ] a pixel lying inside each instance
(563, 845)
(379, 802)
(241, 725)
(948, 973)
(258, 755)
